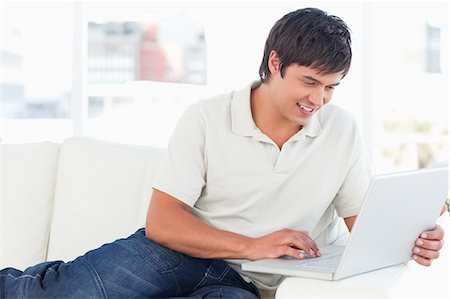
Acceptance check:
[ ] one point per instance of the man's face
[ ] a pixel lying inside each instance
(301, 92)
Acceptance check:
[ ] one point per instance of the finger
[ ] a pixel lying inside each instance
(314, 248)
(292, 252)
(297, 243)
(437, 233)
(307, 239)
(430, 244)
(425, 253)
(422, 261)
(301, 241)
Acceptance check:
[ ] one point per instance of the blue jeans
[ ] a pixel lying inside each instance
(135, 267)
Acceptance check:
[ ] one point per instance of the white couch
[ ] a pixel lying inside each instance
(61, 200)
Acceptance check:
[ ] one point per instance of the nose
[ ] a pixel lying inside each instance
(316, 97)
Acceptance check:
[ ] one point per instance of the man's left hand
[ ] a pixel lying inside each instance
(428, 245)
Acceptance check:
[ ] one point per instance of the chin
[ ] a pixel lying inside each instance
(303, 122)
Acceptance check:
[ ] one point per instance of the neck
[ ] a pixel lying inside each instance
(267, 117)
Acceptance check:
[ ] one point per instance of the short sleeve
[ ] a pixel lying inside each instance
(182, 172)
(352, 192)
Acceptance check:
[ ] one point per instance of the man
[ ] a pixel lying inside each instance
(248, 175)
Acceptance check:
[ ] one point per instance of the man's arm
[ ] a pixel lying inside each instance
(170, 223)
(427, 246)
(349, 221)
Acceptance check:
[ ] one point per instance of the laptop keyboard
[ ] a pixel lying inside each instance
(325, 264)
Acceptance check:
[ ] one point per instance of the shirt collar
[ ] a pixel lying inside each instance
(242, 122)
(312, 128)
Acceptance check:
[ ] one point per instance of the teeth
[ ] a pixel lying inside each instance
(307, 109)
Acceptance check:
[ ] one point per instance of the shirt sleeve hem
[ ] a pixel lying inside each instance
(348, 212)
(180, 195)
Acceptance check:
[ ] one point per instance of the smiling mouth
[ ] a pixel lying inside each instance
(305, 108)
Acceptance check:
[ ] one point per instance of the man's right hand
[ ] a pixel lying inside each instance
(280, 243)
(170, 223)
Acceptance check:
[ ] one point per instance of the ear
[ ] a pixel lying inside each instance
(274, 62)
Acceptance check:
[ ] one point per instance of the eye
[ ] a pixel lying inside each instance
(330, 87)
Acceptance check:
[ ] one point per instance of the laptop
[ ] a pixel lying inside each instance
(397, 208)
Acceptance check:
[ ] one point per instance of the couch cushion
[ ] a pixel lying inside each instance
(28, 174)
(102, 193)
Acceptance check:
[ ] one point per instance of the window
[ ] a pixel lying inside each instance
(410, 96)
(144, 68)
(126, 71)
(36, 53)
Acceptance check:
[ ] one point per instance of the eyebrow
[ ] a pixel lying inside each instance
(317, 81)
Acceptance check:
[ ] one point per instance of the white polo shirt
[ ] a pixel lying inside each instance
(236, 178)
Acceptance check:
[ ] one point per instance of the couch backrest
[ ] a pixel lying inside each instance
(28, 173)
(102, 193)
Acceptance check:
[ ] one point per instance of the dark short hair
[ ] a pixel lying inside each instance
(309, 37)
